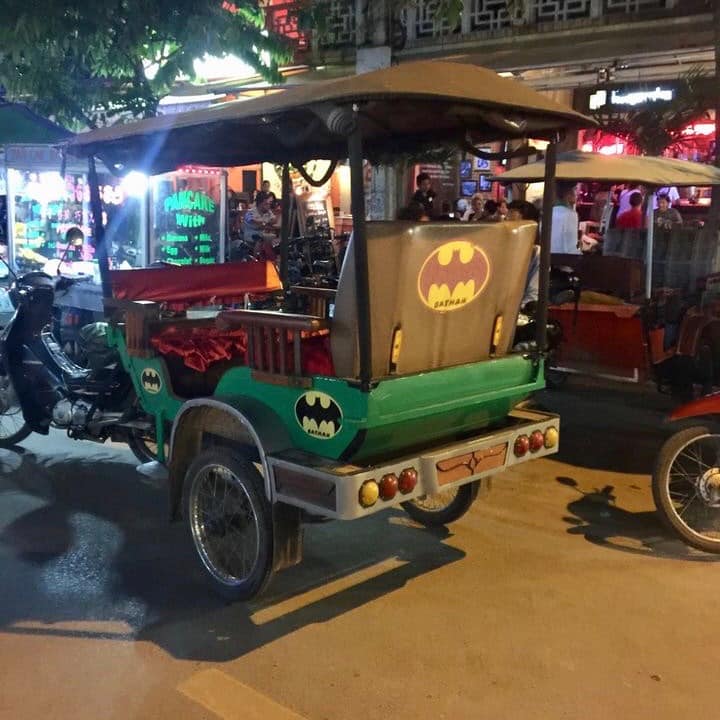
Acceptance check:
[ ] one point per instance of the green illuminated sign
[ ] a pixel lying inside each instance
(189, 200)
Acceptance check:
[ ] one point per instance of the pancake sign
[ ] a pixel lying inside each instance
(453, 275)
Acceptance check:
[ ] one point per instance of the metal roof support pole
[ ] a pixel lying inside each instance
(545, 240)
(287, 199)
(101, 252)
(359, 241)
(650, 243)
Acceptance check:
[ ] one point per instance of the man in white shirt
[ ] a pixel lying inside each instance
(565, 222)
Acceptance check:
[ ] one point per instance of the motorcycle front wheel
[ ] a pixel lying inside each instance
(13, 428)
(686, 487)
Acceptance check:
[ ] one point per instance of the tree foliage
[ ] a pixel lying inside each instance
(658, 126)
(88, 63)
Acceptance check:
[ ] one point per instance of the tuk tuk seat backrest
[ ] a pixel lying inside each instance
(443, 285)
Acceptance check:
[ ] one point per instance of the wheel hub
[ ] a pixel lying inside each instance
(709, 487)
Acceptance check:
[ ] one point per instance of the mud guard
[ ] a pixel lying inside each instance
(287, 536)
(708, 405)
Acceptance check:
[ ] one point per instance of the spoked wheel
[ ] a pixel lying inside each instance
(230, 521)
(144, 446)
(443, 507)
(13, 428)
(686, 487)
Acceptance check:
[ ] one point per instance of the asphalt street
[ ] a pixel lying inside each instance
(558, 596)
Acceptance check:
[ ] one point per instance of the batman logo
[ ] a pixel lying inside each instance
(318, 415)
(453, 275)
(151, 381)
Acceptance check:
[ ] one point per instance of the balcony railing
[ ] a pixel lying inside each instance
(478, 16)
(494, 15)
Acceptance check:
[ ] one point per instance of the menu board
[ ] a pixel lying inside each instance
(186, 216)
(315, 212)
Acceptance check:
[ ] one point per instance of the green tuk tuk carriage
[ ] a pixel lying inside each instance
(402, 389)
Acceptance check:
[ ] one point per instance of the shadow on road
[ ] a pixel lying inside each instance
(85, 540)
(596, 516)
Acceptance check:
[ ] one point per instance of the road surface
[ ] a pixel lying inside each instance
(558, 596)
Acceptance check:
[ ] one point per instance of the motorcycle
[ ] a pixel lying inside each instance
(41, 387)
(564, 288)
(686, 477)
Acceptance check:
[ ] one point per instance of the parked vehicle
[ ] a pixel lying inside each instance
(401, 388)
(686, 478)
(654, 312)
(41, 387)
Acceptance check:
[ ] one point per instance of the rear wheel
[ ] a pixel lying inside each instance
(13, 428)
(443, 507)
(686, 487)
(230, 521)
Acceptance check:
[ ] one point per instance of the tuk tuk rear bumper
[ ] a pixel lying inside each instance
(344, 491)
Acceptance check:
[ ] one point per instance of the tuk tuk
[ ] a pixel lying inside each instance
(649, 308)
(402, 389)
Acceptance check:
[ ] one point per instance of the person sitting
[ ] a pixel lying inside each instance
(666, 217)
(476, 208)
(631, 219)
(260, 225)
(490, 212)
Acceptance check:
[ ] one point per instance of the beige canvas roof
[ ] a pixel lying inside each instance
(582, 166)
(402, 107)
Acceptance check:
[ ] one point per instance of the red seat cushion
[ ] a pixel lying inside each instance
(181, 287)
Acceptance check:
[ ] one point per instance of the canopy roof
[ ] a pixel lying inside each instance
(21, 126)
(581, 166)
(401, 108)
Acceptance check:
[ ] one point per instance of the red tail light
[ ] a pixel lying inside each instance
(522, 445)
(537, 440)
(407, 480)
(388, 487)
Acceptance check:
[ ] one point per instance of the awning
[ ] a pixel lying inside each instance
(21, 126)
(401, 109)
(593, 167)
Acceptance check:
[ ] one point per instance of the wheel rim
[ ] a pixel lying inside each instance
(437, 502)
(692, 487)
(224, 525)
(11, 417)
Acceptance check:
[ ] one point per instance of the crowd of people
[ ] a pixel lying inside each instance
(622, 206)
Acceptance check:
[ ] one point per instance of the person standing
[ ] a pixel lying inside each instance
(666, 217)
(424, 195)
(625, 195)
(631, 219)
(565, 221)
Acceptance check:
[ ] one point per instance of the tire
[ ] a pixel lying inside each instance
(143, 447)
(243, 575)
(443, 507)
(13, 428)
(689, 462)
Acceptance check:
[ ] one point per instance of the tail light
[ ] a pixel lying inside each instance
(522, 445)
(551, 437)
(537, 440)
(388, 486)
(407, 480)
(369, 493)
